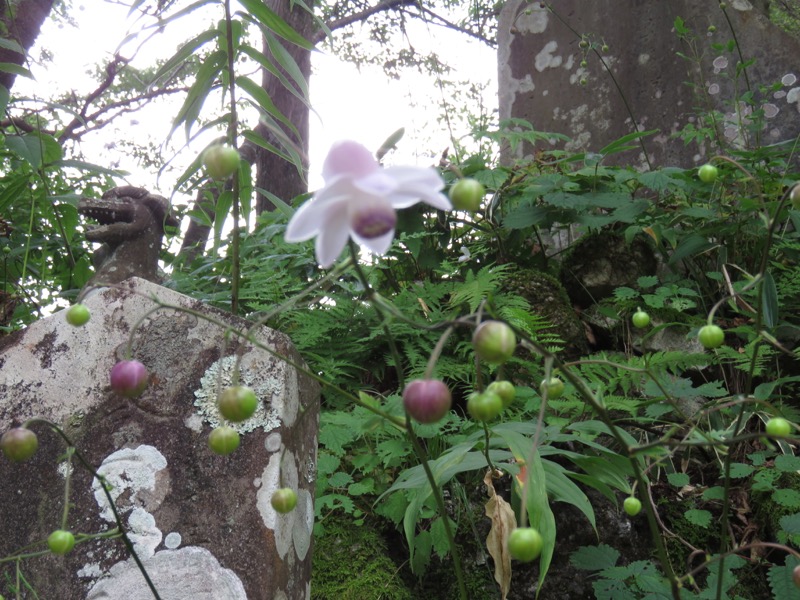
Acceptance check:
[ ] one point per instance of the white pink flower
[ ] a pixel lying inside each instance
(359, 200)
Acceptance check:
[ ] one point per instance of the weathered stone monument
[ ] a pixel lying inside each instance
(543, 80)
(201, 524)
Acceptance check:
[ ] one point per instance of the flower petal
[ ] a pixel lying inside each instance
(415, 184)
(378, 245)
(348, 158)
(313, 215)
(332, 237)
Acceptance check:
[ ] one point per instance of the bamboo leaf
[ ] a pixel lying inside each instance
(187, 50)
(272, 21)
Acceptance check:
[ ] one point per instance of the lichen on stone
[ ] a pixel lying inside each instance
(219, 376)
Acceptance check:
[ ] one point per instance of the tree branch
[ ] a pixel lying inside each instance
(384, 5)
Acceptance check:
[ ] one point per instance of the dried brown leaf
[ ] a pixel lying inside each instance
(503, 523)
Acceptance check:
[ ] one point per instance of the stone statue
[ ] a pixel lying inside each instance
(131, 226)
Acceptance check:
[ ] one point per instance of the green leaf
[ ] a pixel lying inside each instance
(204, 82)
(689, 246)
(780, 579)
(339, 479)
(16, 69)
(716, 492)
(185, 51)
(701, 518)
(739, 470)
(561, 489)
(678, 479)
(786, 497)
(421, 556)
(441, 545)
(359, 488)
(37, 149)
(623, 143)
(790, 524)
(327, 463)
(273, 22)
(263, 101)
(787, 463)
(594, 558)
(769, 299)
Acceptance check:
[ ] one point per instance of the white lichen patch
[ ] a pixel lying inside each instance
(135, 477)
(546, 59)
(173, 540)
(194, 422)
(770, 110)
(143, 532)
(721, 62)
(267, 385)
(643, 58)
(742, 5)
(90, 571)
(789, 79)
(534, 22)
(189, 572)
(273, 442)
(291, 530)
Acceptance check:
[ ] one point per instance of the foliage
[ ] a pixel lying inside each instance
(673, 422)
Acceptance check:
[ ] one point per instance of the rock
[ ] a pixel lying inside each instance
(599, 263)
(192, 516)
(548, 299)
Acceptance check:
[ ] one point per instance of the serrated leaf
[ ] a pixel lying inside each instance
(422, 552)
(359, 488)
(339, 479)
(441, 544)
(714, 493)
(780, 579)
(790, 524)
(327, 463)
(701, 518)
(739, 470)
(787, 463)
(678, 479)
(594, 558)
(787, 498)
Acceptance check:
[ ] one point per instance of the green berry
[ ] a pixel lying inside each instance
(525, 544)
(221, 161)
(494, 342)
(708, 173)
(778, 427)
(19, 444)
(640, 319)
(553, 387)
(284, 500)
(60, 541)
(484, 406)
(78, 315)
(711, 336)
(632, 505)
(238, 403)
(504, 389)
(467, 194)
(794, 196)
(223, 440)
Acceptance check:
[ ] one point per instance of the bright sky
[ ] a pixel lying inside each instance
(363, 105)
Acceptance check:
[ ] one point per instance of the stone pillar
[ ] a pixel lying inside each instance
(540, 73)
(202, 524)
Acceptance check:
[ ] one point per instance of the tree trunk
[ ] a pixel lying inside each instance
(22, 20)
(273, 173)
